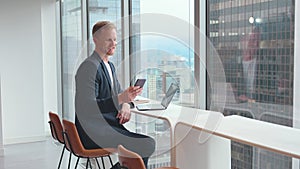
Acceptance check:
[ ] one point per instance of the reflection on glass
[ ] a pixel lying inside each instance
(71, 47)
(255, 42)
(162, 60)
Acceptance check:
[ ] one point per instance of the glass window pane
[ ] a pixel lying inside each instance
(71, 47)
(74, 47)
(255, 52)
(163, 58)
(110, 10)
(161, 50)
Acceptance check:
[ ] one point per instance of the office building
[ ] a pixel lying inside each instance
(230, 27)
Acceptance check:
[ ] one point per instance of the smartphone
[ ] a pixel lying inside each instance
(140, 82)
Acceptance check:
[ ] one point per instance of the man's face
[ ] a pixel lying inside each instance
(106, 41)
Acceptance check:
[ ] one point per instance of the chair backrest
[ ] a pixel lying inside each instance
(56, 127)
(72, 139)
(130, 159)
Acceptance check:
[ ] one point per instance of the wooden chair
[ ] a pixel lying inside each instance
(132, 160)
(57, 132)
(74, 145)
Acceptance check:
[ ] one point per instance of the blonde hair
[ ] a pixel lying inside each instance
(102, 24)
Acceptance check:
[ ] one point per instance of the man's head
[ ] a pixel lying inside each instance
(105, 38)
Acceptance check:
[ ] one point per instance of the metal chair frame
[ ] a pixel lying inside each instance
(88, 163)
(54, 134)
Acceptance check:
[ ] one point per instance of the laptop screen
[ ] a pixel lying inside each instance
(169, 95)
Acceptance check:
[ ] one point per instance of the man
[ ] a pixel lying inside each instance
(249, 71)
(100, 104)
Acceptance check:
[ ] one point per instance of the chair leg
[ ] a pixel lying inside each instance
(98, 163)
(69, 160)
(61, 156)
(103, 162)
(88, 161)
(110, 160)
(77, 162)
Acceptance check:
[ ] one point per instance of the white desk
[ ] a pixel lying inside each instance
(273, 137)
(202, 138)
(178, 114)
(198, 146)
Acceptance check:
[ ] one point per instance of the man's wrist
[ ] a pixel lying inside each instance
(126, 105)
(120, 99)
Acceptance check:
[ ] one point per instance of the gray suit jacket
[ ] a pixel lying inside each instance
(96, 102)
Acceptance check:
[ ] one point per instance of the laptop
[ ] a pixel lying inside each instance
(164, 103)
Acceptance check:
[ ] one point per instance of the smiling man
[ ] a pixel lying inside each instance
(101, 106)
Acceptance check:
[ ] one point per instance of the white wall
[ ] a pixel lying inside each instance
(23, 69)
(50, 65)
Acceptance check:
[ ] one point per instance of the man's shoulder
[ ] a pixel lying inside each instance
(89, 65)
(91, 60)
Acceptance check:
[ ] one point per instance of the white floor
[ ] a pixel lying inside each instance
(36, 155)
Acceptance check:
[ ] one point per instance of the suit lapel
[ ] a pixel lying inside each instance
(103, 67)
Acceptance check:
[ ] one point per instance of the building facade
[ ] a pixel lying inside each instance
(255, 42)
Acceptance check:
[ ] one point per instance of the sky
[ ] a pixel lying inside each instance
(178, 8)
(182, 9)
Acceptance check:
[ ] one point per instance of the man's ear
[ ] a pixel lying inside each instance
(95, 39)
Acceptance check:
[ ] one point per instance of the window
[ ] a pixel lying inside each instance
(161, 50)
(71, 46)
(161, 40)
(99, 10)
(78, 18)
(255, 34)
(249, 37)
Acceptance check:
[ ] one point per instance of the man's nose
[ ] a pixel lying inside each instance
(113, 42)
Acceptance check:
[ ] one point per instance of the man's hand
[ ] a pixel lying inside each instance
(129, 94)
(124, 114)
